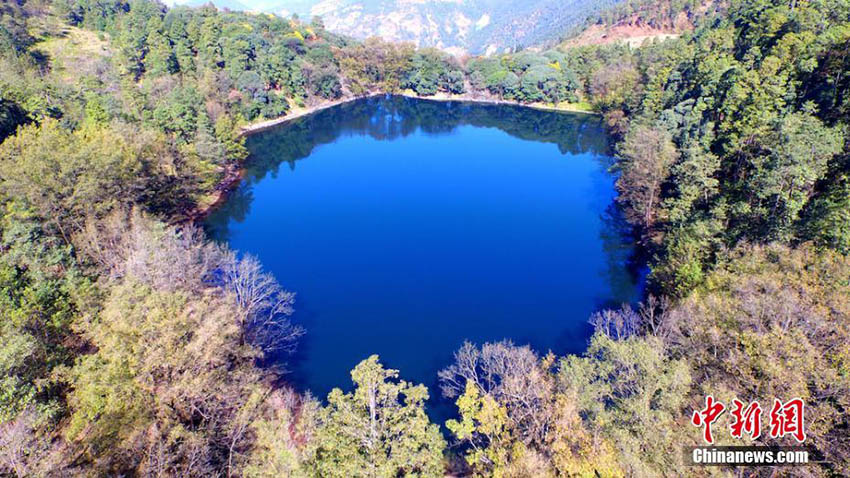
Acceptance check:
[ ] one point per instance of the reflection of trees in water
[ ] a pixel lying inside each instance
(235, 208)
(389, 118)
(393, 117)
(625, 266)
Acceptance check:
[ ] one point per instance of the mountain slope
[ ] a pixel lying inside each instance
(459, 26)
(637, 21)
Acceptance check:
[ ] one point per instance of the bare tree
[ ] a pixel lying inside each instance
(617, 324)
(652, 317)
(656, 318)
(265, 306)
(168, 451)
(20, 448)
(515, 377)
(129, 245)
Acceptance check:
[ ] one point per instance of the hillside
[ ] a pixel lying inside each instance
(477, 26)
(634, 22)
(632, 32)
(469, 26)
(130, 346)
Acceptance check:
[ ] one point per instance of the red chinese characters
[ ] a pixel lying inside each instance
(707, 416)
(746, 420)
(788, 419)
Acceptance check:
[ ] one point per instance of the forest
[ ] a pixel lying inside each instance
(131, 345)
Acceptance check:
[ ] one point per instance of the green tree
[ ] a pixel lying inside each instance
(39, 289)
(380, 430)
(647, 154)
(11, 116)
(65, 176)
(325, 83)
(784, 181)
(96, 113)
(632, 393)
(160, 59)
(178, 113)
(227, 133)
(828, 221)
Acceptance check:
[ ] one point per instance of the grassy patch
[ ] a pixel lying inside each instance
(75, 52)
(582, 106)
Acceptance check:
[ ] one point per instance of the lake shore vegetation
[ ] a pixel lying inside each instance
(130, 345)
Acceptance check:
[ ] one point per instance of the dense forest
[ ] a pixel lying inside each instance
(657, 13)
(132, 346)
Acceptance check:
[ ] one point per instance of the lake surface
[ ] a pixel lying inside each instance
(406, 227)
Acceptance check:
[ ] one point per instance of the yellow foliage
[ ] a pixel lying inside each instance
(575, 453)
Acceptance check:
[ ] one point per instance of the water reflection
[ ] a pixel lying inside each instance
(390, 118)
(414, 225)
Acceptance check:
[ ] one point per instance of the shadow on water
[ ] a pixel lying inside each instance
(280, 150)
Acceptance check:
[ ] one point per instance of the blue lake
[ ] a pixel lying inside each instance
(406, 227)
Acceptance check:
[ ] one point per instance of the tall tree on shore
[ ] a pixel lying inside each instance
(647, 155)
(380, 430)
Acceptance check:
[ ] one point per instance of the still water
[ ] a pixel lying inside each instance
(406, 227)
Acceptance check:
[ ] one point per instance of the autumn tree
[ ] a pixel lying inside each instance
(514, 421)
(285, 437)
(166, 385)
(631, 393)
(772, 321)
(128, 245)
(515, 377)
(172, 386)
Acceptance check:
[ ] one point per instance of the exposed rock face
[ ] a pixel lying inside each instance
(458, 26)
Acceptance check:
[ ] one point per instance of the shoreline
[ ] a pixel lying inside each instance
(252, 128)
(233, 175)
(465, 98)
(256, 127)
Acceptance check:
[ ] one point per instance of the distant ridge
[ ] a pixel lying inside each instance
(457, 26)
